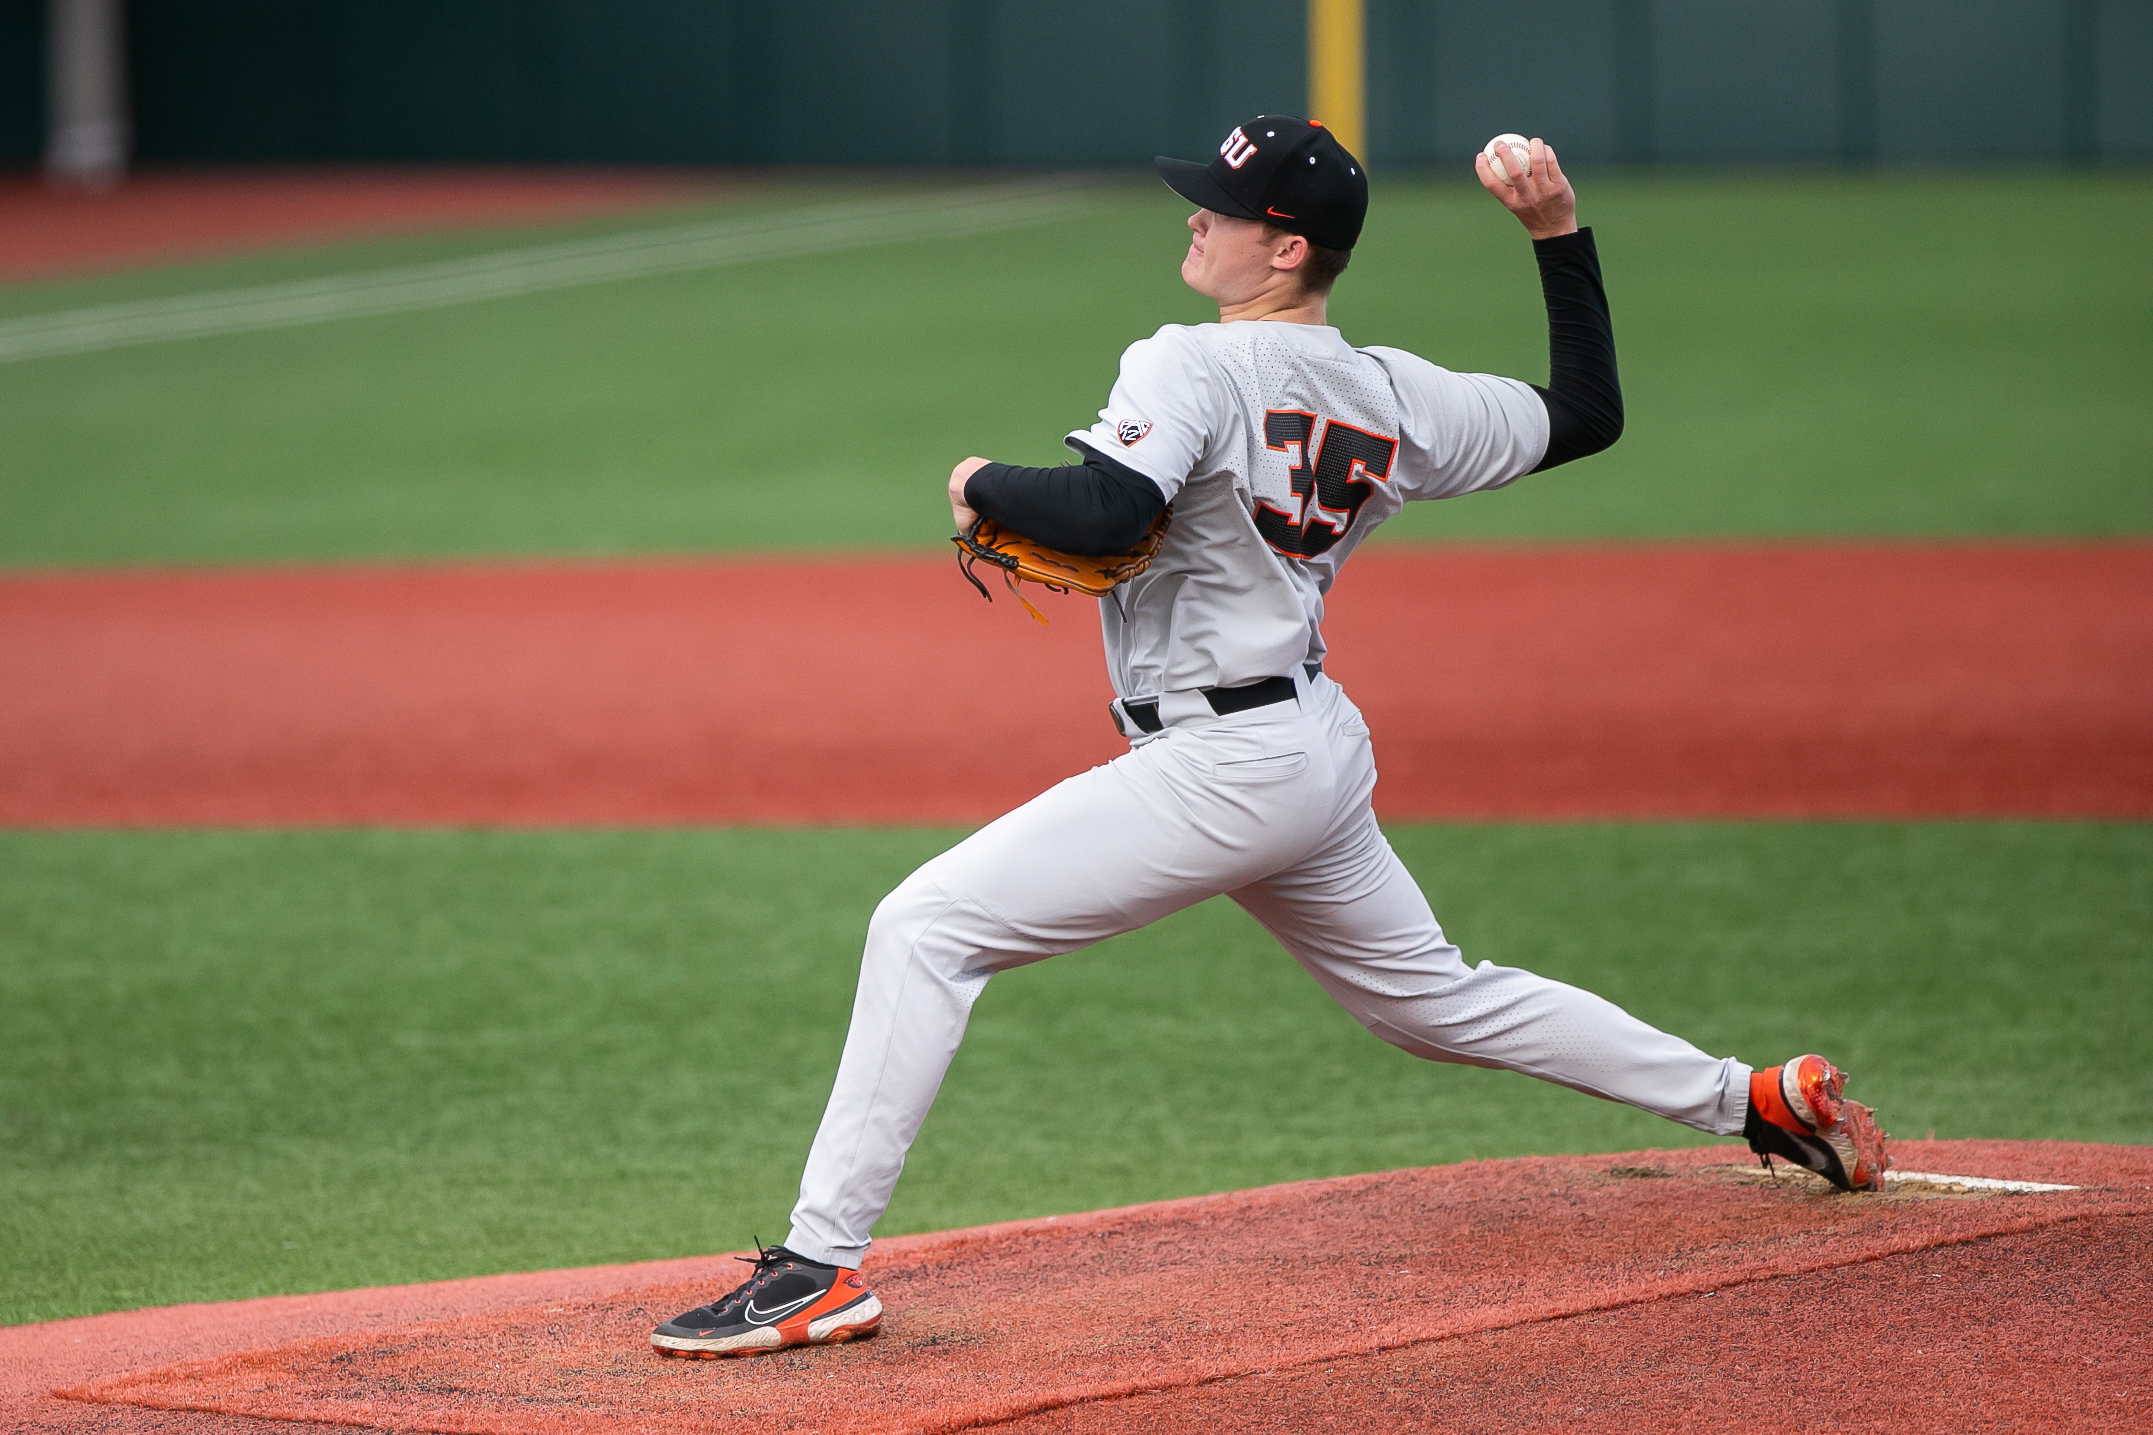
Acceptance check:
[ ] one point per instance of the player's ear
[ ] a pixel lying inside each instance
(1289, 252)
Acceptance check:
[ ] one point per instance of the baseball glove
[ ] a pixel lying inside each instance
(1023, 561)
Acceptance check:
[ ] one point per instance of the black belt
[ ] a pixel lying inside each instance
(1259, 694)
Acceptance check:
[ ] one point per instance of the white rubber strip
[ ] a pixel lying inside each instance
(1972, 1183)
(676, 249)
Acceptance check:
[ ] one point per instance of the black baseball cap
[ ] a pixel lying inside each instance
(1282, 170)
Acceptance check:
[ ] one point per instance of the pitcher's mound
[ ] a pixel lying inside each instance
(1668, 1288)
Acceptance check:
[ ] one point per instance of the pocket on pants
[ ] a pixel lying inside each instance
(1253, 770)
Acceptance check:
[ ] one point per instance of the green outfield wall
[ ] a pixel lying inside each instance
(1110, 82)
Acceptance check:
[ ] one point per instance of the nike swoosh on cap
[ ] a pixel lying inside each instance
(1267, 209)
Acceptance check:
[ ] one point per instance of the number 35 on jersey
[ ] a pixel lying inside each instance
(1333, 467)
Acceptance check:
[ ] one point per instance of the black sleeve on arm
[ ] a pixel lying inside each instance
(1583, 394)
(1095, 507)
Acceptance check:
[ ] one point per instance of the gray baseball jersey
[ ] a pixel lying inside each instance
(1280, 446)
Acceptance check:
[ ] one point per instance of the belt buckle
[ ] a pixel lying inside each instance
(1143, 717)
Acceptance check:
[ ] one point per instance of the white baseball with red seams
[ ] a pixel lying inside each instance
(1279, 447)
(1510, 156)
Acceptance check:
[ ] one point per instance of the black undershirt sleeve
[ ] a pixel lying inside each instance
(1095, 507)
(1583, 393)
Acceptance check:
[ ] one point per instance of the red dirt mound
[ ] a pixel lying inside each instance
(36, 1358)
(1193, 1298)
(1734, 681)
(2034, 1332)
(165, 217)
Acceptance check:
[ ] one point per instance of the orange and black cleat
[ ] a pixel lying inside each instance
(789, 1300)
(1800, 1112)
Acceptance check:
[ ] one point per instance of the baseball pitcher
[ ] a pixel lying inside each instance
(1237, 466)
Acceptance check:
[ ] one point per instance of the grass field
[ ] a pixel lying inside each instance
(1802, 355)
(240, 1063)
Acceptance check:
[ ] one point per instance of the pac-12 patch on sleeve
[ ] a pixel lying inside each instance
(1130, 430)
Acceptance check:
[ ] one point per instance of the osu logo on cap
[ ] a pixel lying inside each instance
(1238, 149)
(1130, 430)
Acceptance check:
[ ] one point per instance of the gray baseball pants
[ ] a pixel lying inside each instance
(1271, 807)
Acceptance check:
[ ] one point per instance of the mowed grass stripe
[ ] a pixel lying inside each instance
(1797, 360)
(535, 269)
(240, 1063)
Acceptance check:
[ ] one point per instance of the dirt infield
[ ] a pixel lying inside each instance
(1705, 681)
(166, 217)
(1649, 1290)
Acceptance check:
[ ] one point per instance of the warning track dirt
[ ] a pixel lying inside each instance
(175, 216)
(1874, 680)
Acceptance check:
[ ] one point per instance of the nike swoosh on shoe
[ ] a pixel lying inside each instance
(777, 1313)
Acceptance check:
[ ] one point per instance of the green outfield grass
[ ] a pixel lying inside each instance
(1804, 355)
(242, 1063)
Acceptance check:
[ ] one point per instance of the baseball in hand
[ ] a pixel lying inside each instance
(1510, 156)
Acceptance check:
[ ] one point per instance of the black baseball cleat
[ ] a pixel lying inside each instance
(789, 1300)
(1799, 1112)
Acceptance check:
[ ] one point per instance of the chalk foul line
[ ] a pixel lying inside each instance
(675, 249)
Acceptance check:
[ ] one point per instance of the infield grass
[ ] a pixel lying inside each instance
(1804, 355)
(241, 1063)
